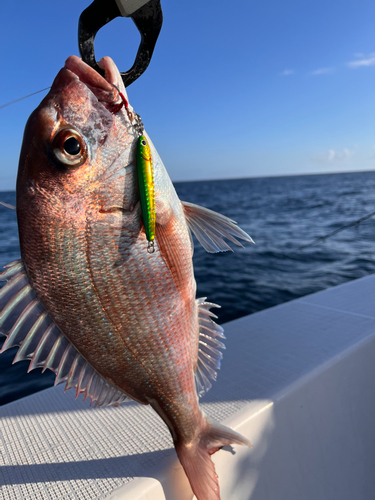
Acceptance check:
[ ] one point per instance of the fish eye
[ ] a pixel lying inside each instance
(72, 146)
(69, 147)
(144, 142)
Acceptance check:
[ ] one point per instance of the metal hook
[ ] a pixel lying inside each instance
(146, 15)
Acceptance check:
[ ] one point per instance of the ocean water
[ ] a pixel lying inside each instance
(281, 214)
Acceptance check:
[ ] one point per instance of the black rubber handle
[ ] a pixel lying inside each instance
(148, 20)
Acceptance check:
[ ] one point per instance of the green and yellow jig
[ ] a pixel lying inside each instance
(145, 171)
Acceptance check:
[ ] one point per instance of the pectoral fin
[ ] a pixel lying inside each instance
(211, 228)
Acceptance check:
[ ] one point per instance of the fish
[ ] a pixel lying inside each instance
(86, 299)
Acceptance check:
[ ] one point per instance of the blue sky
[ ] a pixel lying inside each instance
(235, 89)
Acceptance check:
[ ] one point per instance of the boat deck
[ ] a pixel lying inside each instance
(297, 380)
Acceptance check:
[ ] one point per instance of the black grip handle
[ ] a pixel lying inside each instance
(148, 20)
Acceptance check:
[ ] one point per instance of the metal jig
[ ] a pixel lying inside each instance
(146, 184)
(145, 173)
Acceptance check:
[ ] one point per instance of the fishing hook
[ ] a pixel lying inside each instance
(146, 15)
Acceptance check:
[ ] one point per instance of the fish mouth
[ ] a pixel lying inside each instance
(104, 89)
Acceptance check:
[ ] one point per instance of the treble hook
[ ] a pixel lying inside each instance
(146, 15)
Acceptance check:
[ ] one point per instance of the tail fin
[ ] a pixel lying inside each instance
(196, 459)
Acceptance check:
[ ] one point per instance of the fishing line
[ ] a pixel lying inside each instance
(323, 238)
(7, 205)
(21, 98)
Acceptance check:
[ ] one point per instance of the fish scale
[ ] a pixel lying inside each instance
(132, 311)
(137, 312)
(140, 269)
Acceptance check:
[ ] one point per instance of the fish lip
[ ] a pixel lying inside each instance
(101, 88)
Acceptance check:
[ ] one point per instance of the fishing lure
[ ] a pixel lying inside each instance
(145, 172)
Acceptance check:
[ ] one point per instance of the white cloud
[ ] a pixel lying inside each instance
(322, 71)
(287, 72)
(362, 61)
(334, 155)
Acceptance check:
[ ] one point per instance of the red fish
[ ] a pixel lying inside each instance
(86, 299)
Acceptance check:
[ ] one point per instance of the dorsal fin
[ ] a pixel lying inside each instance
(209, 356)
(211, 228)
(25, 323)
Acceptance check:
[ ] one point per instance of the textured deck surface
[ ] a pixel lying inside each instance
(53, 447)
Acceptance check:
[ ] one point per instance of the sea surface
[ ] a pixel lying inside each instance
(281, 214)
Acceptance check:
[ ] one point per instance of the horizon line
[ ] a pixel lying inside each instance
(271, 176)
